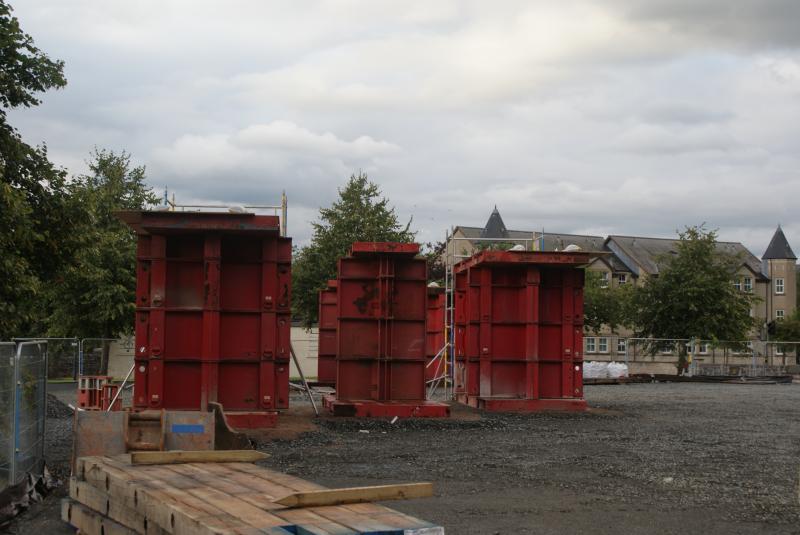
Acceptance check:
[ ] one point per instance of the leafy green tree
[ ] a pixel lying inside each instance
(788, 330)
(359, 214)
(605, 304)
(32, 214)
(693, 295)
(94, 294)
(434, 256)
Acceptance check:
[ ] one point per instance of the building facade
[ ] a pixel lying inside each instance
(631, 259)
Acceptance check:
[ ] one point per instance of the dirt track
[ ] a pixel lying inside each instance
(655, 458)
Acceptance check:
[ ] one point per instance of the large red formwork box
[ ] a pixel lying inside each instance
(212, 313)
(326, 341)
(519, 330)
(380, 357)
(434, 332)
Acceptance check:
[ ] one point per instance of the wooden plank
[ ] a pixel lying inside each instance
(379, 493)
(161, 496)
(100, 502)
(211, 456)
(238, 498)
(89, 522)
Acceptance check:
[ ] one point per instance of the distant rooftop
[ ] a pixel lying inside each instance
(778, 248)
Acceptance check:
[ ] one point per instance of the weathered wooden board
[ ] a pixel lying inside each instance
(211, 456)
(380, 493)
(204, 498)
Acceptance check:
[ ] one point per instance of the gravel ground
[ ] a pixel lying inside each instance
(652, 458)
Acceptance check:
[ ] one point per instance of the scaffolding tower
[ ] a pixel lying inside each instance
(445, 359)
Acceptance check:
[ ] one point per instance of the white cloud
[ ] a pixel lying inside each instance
(628, 116)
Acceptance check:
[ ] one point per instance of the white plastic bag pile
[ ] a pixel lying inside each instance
(604, 370)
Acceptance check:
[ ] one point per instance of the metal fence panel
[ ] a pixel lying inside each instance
(7, 358)
(62, 357)
(30, 400)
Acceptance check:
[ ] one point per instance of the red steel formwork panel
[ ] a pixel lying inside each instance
(434, 331)
(519, 330)
(212, 313)
(326, 346)
(380, 357)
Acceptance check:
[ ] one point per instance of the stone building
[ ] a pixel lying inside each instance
(631, 259)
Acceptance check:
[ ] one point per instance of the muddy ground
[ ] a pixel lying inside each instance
(652, 458)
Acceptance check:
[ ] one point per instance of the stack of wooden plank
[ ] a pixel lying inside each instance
(119, 496)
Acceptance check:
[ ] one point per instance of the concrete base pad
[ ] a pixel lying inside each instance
(385, 409)
(252, 420)
(522, 405)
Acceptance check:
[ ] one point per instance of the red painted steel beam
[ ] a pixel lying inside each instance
(527, 257)
(146, 222)
(369, 247)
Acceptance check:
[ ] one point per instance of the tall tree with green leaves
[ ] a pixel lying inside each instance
(360, 213)
(788, 330)
(605, 304)
(693, 295)
(32, 215)
(95, 291)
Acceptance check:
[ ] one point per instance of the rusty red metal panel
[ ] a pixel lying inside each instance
(373, 247)
(519, 321)
(381, 305)
(326, 348)
(434, 331)
(212, 320)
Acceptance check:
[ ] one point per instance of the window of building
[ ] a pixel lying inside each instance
(779, 286)
(737, 283)
(622, 345)
(779, 314)
(779, 350)
(604, 279)
(602, 345)
(622, 278)
(703, 349)
(747, 284)
(590, 345)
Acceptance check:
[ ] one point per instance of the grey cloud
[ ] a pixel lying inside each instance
(624, 116)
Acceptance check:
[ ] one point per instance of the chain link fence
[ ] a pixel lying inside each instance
(8, 351)
(752, 358)
(62, 357)
(23, 408)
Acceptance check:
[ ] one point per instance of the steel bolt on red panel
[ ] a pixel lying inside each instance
(212, 313)
(519, 330)
(326, 347)
(380, 357)
(434, 332)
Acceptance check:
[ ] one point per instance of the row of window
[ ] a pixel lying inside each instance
(622, 278)
(599, 344)
(743, 284)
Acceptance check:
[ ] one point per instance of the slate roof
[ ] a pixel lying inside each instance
(779, 248)
(646, 252)
(494, 228)
(554, 241)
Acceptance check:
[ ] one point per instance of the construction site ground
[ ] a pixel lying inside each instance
(648, 458)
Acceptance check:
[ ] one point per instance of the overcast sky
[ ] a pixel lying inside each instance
(637, 117)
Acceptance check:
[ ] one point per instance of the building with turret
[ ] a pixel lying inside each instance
(631, 259)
